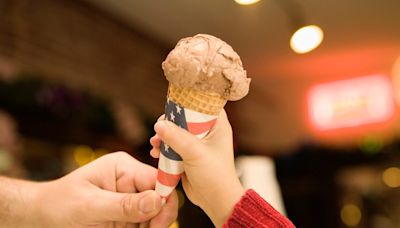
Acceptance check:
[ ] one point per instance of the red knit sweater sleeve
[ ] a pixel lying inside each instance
(254, 211)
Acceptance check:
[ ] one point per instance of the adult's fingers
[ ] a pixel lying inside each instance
(145, 176)
(168, 213)
(132, 175)
(126, 207)
(184, 143)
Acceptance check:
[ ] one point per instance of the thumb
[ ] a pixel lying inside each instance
(183, 142)
(127, 207)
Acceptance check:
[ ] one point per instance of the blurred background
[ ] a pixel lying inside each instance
(79, 79)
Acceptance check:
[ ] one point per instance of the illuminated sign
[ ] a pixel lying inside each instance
(351, 102)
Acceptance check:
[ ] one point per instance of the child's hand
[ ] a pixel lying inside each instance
(210, 179)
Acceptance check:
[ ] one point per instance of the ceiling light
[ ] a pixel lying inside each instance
(246, 2)
(306, 39)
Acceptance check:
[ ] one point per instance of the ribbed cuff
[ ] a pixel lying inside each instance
(254, 211)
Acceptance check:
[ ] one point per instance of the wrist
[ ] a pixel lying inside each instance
(41, 209)
(35, 208)
(29, 205)
(220, 204)
(18, 204)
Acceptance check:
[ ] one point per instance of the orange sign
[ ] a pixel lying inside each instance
(350, 103)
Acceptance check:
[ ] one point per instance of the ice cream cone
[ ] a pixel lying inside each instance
(195, 111)
(203, 102)
(204, 72)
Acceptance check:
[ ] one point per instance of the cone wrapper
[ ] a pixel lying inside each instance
(170, 165)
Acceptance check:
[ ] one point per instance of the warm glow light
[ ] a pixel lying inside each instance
(350, 214)
(83, 155)
(5, 160)
(246, 2)
(306, 39)
(174, 225)
(351, 102)
(396, 78)
(99, 152)
(391, 177)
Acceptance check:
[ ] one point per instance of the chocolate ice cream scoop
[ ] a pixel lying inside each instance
(206, 63)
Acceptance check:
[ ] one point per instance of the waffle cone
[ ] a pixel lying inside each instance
(208, 103)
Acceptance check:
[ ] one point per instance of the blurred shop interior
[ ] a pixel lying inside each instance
(318, 135)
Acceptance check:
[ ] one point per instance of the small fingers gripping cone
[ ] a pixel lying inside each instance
(191, 110)
(204, 73)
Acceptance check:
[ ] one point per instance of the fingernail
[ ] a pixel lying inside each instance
(147, 204)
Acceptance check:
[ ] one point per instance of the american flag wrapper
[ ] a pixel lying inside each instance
(170, 164)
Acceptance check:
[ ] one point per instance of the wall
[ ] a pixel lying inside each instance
(76, 44)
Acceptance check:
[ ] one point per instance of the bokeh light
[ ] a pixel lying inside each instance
(391, 177)
(351, 102)
(83, 155)
(174, 225)
(396, 78)
(350, 214)
(5, 160)
(306, 39)
(99, 152)
(371, 144)
(246, 2)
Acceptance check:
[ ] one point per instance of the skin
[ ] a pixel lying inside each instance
(115, 190)
(210, 179)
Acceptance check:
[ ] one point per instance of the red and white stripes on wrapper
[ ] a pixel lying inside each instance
(170, 165)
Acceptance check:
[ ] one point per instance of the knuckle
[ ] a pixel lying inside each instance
(127, 205)
(189, 143)
(121, 154)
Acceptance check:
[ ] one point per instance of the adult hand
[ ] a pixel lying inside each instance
(115, 190)
(210, 179)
